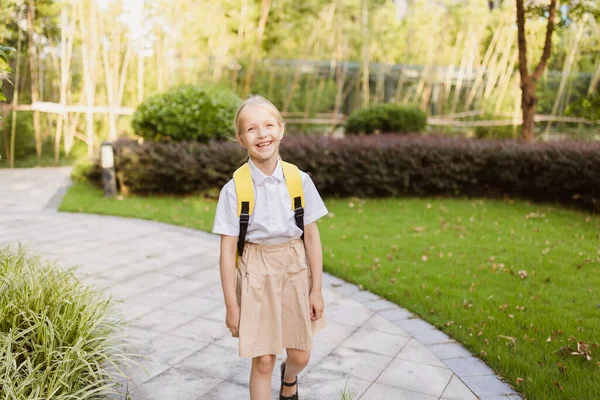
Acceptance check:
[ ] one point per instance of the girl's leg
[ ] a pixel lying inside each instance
(295, 362)
(260, 377)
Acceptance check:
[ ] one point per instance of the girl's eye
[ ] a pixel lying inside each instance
(269, 125)
(251, 129)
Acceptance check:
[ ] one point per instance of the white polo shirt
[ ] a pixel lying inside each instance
(272, 221)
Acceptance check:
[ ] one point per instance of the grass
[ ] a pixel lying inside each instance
(517, 283)
(58, 338)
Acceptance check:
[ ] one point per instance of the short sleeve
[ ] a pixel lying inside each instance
(314, 208)
(226, 219)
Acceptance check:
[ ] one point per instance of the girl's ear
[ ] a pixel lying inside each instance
(240, 140)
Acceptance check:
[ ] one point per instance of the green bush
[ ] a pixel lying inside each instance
(58, 339)
(84, 169)
(587, 107)
(386, 118)
(24, 136)
(383, 165)
(497, 132)
(186, 113)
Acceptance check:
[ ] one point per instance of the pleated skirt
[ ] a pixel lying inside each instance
(273, 283)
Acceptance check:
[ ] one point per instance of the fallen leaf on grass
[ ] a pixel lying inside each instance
(519, 381)
(522, 274)
(558, 386)
(418, 229)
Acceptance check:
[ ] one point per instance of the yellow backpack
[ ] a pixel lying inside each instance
(244, 189)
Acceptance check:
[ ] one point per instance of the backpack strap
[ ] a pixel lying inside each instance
(244, 188)
(293, 180)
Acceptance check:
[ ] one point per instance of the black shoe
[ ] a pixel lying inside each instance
(295, 395)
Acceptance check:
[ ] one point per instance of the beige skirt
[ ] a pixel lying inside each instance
(273, 283)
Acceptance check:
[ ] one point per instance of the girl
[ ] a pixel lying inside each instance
(274, 298)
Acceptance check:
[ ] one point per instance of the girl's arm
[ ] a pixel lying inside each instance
(312, 241)
(227, 267)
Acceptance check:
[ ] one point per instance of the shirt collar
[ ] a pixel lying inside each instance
(259, 177)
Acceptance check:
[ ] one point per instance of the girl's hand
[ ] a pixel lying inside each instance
(232, 320)
(316, 305)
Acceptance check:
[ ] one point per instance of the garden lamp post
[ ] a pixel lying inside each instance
(107, 158)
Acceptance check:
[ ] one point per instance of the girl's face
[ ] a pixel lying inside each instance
(260, 133)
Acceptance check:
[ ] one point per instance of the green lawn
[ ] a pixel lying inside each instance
(516, 283)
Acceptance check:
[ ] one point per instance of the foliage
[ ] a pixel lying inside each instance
(25, 137)
(587, 107)
(58, 339)
(386, 165)
(186, 113)
(384, 118)
(495, 132)
(85, 169)
(5, 69)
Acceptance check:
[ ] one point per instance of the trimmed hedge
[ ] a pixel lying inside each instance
(385, 118)
(385, 165)
(186, 113)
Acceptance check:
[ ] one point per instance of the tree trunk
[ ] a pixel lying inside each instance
(33, 68)
(529, 82)
(528, 104)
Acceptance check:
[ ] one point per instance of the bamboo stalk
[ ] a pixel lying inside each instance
(33, 70)
(365, 55)
(89, 49)
(240, 40)
(596, 76)
(461, 72)
(68, 141)
(566, 71)
(264, 15)
(505, 80)
(481, 70)
(15, 101)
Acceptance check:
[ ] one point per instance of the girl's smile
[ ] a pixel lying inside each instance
(260, 133)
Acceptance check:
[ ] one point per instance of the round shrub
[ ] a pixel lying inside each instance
(186, 113)
(386, 118)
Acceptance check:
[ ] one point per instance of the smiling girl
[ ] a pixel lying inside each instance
(273, 292)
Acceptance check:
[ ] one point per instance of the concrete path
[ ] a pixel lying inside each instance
(168, 279)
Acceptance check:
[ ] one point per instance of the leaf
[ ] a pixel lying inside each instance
(522, 274)
(558, 386)
(519, 381)
(418, 229)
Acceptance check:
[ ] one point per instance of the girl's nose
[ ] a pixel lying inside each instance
(261, 131)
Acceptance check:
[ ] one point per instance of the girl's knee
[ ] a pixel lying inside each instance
(264, 364)
(298, 357)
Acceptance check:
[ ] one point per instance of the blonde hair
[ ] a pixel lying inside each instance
(256, 100)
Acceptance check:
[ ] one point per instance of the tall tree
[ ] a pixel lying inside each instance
(573, 9)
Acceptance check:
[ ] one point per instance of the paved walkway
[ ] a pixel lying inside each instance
(168, 279)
